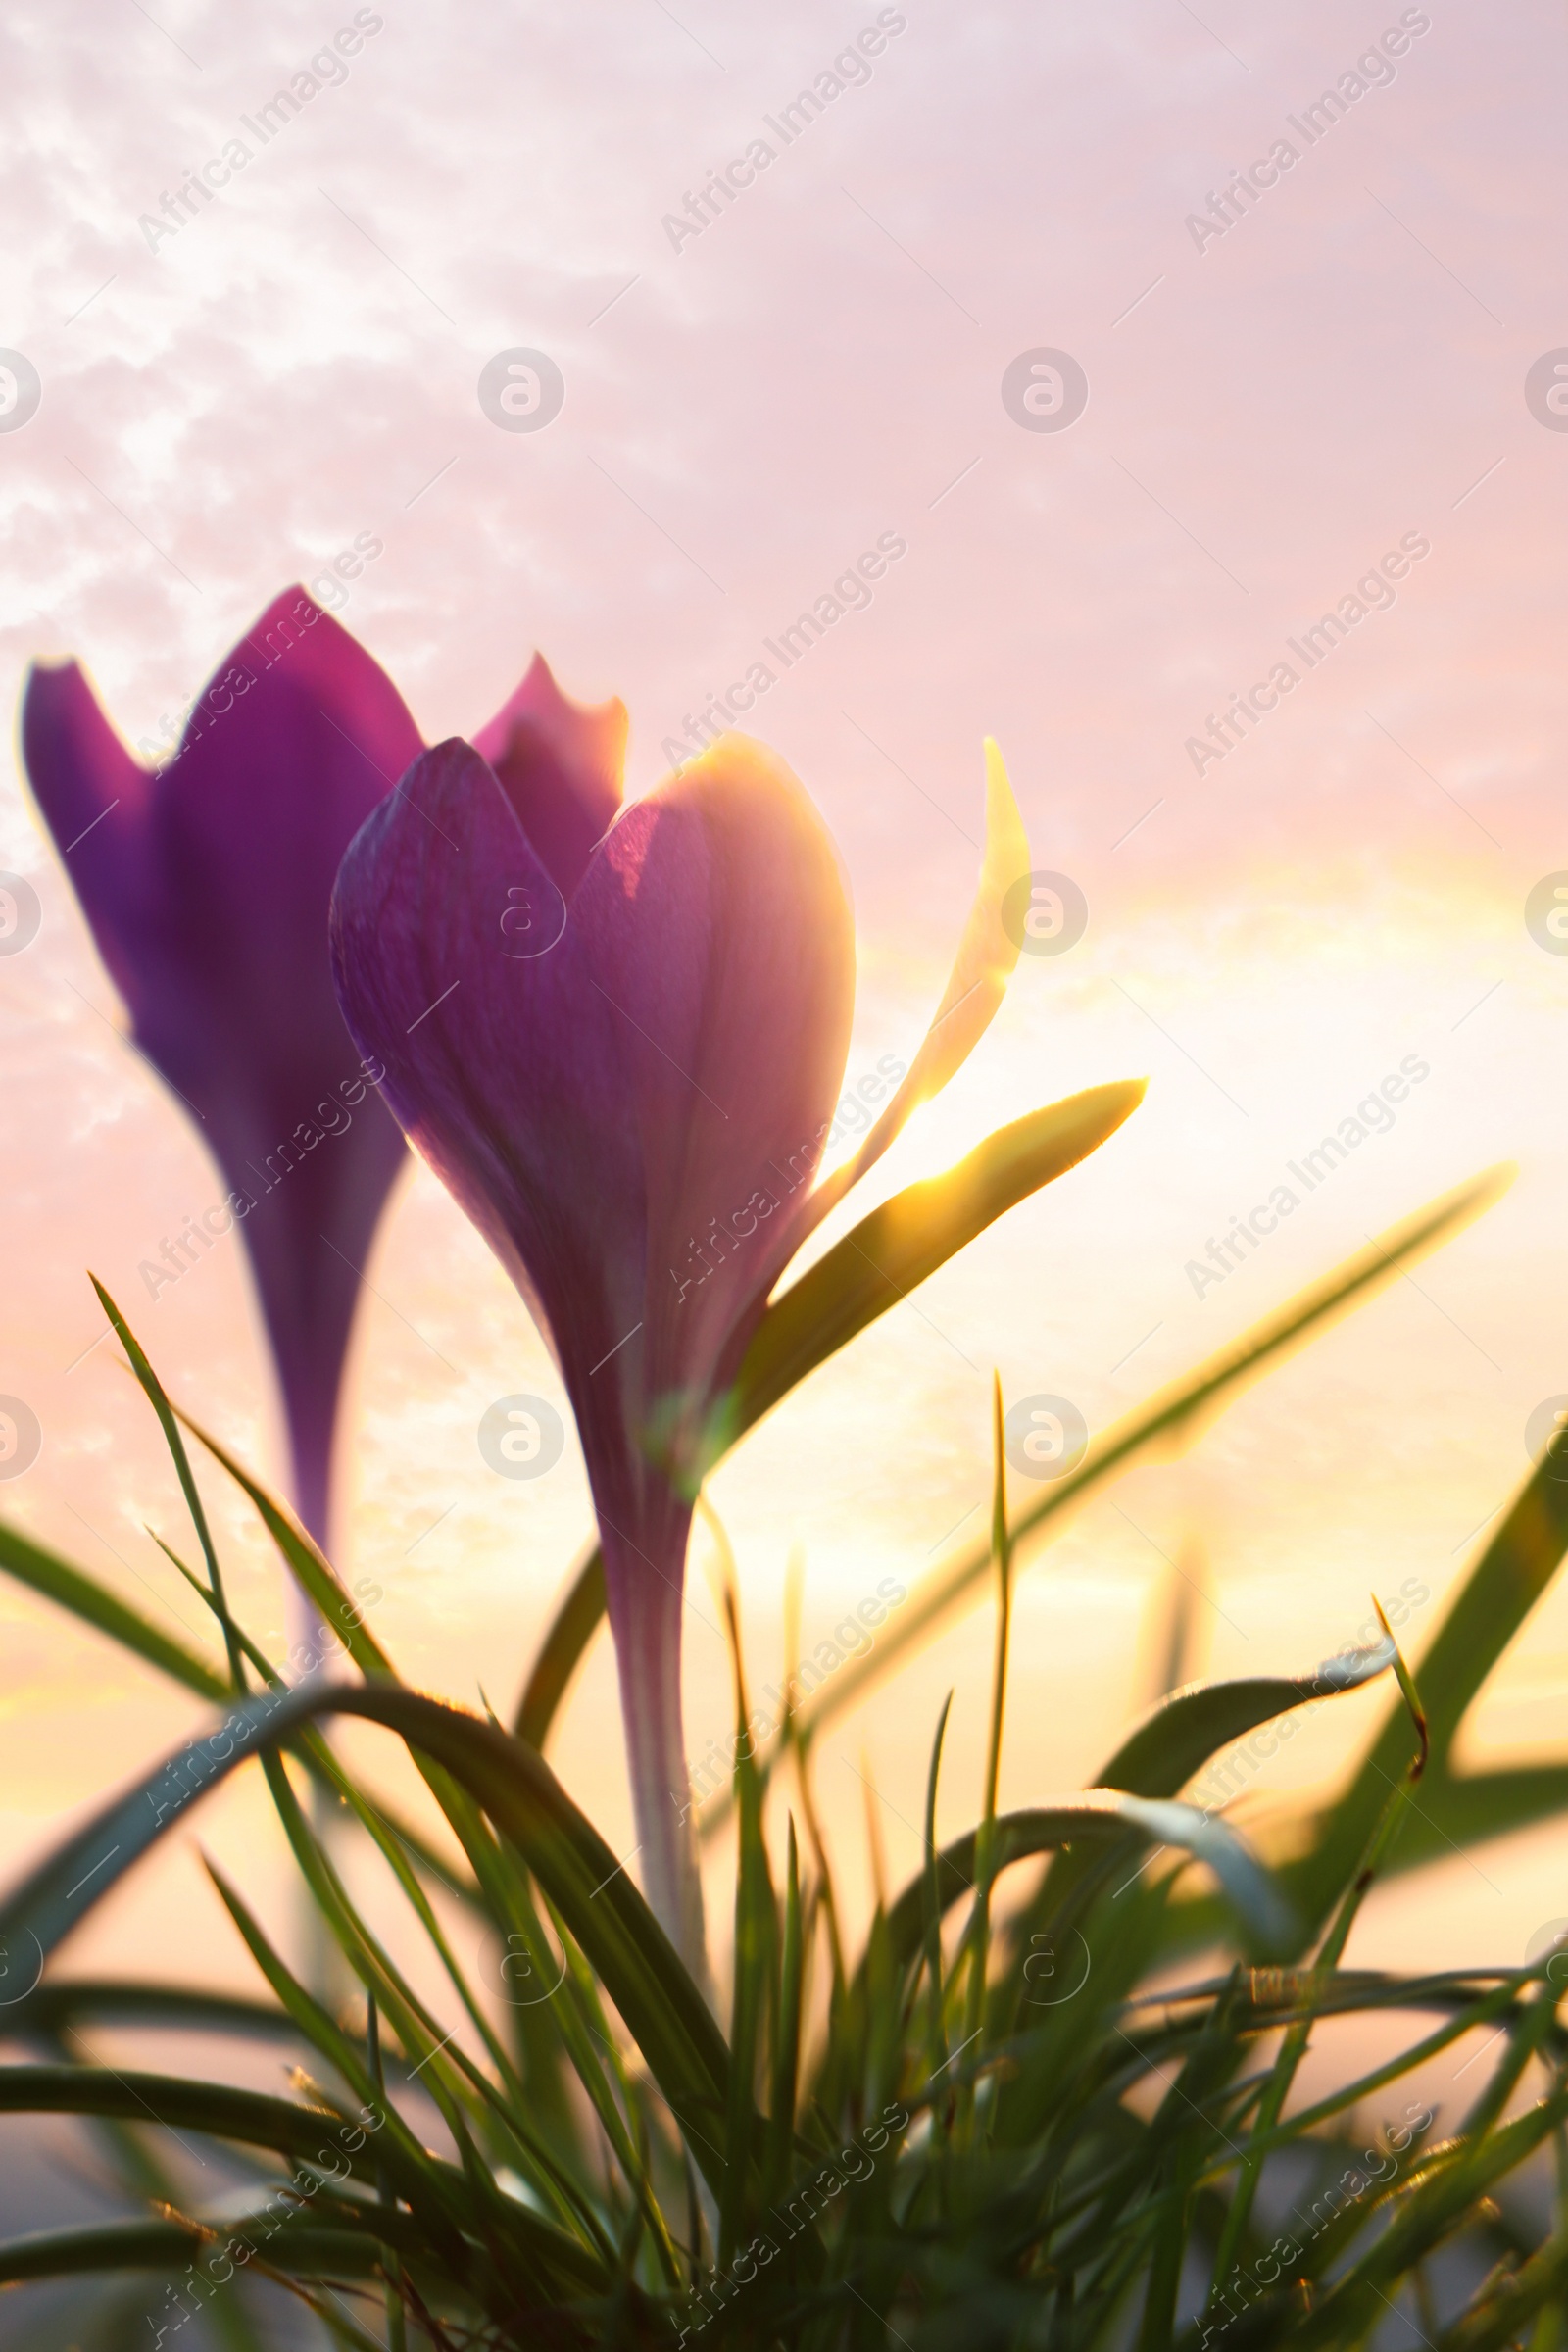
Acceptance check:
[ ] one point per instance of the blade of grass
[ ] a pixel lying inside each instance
(787, 2036)
(1293, 2049)
(45, 1572)
(305, 1558)
(576, 1620)
(979, 1931)
(932, 1907)
(872, 1268)
(1171, 1419)
(153, 1389)
(664, 2010)
(397, 2335)
(755, 1917)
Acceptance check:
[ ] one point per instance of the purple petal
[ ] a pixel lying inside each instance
(559, 763)
(94, 798)
(207, 887)
(725, 942)
(502, 1062)
(628, 1096)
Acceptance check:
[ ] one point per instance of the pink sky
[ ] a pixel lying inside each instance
(1341, 373)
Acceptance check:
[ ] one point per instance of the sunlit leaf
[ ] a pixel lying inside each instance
(586, 1882)
(1167, 1424)
(73, 1589)
(1098, 1815)
(873, 1268)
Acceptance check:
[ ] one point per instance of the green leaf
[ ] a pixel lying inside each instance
(298, 2246)
(1177, 1739)
(153, 1389)
(252, 2117)
(1491, 1606)
(872, 1268)
(893, 1250)
(1098, 1815)
(1169, 1421)
(73, 1589)
(310, 1564)
(587, 1883)
(575, 1622)
(109, 2001)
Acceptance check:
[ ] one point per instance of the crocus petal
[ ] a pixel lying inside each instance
(629, 1101)
(503, 1066)
(976, 986)
(559, 763)
(207, 886)
(730, 963)
(86, 784)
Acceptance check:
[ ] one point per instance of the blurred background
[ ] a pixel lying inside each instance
(1255, 398)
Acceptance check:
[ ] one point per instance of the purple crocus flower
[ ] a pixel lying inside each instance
(205, 883)
(622, 1055)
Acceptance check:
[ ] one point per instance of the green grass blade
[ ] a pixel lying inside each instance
(978, 1936)
(756, 1927)
(164, 2008)
(585, 1881)
(1509, 1578)
(575, 1622)
(871, 1269)
(909, 1236)
(309, 1563)
(929, 1892)
(1170, 1419)
(251, 2118)
(1178, 1737)
(1293, 2049)
(45, 1572)
(458, 2203)
(787, 2034)
(156, 2246)
(153, 1389)
(1097, 1814)
(1163, 1754)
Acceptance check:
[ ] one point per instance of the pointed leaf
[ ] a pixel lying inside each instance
(898, 1245)
(1160, 1756)
(297, 2246)
(573, 1625)
(976, 985)
(1492, 1604)
(872, 1268)
(312, 1568)
(1099, 1814)
(180, 2008)
(73, 1589)
(588, 1884)
(1169, 1421)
